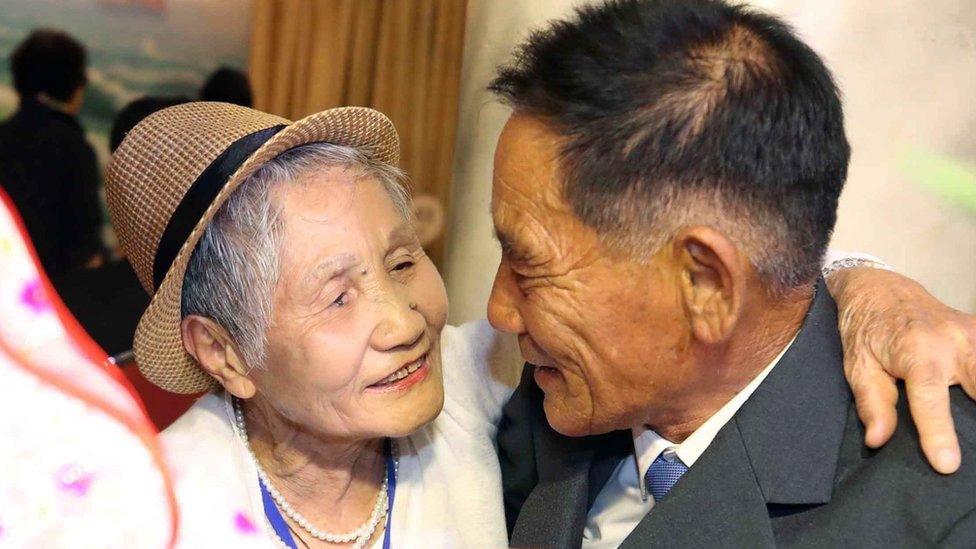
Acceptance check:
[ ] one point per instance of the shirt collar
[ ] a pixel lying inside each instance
(648, 445)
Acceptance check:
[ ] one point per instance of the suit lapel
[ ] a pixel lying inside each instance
(554, 514)
(781, 448)
(793, 425)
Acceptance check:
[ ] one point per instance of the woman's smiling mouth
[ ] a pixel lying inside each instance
(405, 377)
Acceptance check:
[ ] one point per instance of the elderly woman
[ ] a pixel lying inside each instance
(288, 282)
(288, 277)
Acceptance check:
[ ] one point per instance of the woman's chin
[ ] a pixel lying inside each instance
(410, 411)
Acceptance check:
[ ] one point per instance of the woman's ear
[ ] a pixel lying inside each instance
(713, 280)
(211, 346)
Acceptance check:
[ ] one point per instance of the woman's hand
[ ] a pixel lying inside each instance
(893, 329)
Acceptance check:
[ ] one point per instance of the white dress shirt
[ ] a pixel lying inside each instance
(624, 499)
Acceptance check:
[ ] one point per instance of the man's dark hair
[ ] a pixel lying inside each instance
(135, 112)
(48, 61)
(229, 86)
(662, 100)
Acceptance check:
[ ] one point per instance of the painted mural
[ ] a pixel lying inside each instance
(135, 48)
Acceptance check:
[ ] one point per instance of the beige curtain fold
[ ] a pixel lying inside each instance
(402, 57)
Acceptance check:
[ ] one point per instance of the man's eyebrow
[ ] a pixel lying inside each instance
(506, 241)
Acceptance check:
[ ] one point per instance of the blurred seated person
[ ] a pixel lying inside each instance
(108, 301)
(46, 165)
(228, 85)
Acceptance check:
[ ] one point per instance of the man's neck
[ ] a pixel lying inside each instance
(762, 335)
(333, 483)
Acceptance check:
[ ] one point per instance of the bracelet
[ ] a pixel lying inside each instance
(852, 262)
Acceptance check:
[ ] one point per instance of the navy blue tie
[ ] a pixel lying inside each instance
(662, 475)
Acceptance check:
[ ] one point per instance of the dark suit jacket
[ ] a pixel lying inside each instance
(789, 469)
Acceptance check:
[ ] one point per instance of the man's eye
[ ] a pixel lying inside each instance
(403, 265)
(341, 300)
(519, 256)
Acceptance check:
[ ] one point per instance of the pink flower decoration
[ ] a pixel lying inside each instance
(244, 524)
(74, 480)
(33, 297)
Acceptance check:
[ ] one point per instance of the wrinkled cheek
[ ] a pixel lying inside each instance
(435, 358)
(574, 358)
(334, 413)
(430, 295)
(310, 387)
(577, 386)
(586, 376)
(571, 411)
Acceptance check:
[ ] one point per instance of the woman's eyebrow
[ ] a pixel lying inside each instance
(331, 267)
(401, 235)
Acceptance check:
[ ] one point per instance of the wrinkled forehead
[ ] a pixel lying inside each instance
(527, 176)
(339, 224)
(321, 195)
(534, 223)
(331, 212)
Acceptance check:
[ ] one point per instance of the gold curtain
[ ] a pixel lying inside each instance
(402, 57)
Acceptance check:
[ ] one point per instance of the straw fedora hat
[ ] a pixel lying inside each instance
(169, 177)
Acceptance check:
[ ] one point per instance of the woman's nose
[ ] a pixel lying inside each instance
(400, 323)
(503, 312)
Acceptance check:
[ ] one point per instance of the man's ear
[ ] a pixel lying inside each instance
(210, 344)
(713, 281)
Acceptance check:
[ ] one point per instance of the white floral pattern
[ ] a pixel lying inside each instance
(79, 458)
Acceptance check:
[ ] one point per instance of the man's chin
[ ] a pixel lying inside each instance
(565, 419)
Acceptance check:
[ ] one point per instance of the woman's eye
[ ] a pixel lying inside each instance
(403, 265)
(341, 300)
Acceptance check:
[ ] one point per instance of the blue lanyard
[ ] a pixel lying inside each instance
(391, 480)
(281, 527)
(274, 517)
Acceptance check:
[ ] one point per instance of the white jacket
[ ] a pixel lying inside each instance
(449, 491)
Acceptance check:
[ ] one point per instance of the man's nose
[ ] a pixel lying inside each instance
(503, 312)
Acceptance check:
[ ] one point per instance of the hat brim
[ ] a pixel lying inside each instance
(158, 344)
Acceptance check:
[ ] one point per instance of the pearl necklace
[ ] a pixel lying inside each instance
(359, 536)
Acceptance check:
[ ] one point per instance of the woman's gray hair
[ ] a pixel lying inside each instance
(232, 273)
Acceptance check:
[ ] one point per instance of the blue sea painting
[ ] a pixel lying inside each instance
(135, 47)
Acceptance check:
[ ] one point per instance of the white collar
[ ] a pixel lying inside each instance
(648, 445)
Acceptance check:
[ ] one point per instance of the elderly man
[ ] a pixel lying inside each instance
(664, 193)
